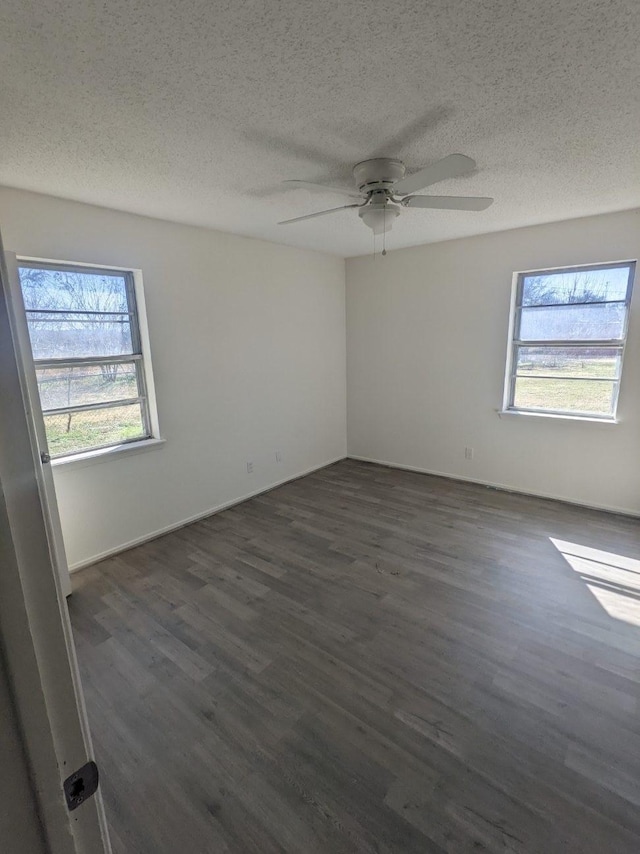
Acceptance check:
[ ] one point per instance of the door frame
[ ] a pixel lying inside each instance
(44, 473)
(35, 630)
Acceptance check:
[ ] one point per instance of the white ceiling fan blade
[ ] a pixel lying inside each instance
(318, 213)
(448, 167)
(449, 203)
(319, 188)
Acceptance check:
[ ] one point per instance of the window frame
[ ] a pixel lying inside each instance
(140, 356)
(515, 342)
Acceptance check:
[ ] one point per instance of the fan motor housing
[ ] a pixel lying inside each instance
(380, 173)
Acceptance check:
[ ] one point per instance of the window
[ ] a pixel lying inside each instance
(569, 331)
(85, 339)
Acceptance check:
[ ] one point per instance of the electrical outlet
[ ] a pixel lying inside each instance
(278, 457)
(468, 453)
(249, 468)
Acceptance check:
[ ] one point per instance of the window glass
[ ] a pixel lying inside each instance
(48, 289)
(76, 385)
(73, 432)
(582, 313)
(573, 286)
(55, 336)
(83, 327)
(588, 398)
(575, 362)
(598, 322)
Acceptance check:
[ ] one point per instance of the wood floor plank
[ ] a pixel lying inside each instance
(373, 661)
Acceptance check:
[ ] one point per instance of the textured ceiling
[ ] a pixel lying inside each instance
(194, 111)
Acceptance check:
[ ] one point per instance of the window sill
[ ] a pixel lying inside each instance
(519, 413)
(102, 455)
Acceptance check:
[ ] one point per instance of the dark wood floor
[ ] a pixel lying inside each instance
(368, 660)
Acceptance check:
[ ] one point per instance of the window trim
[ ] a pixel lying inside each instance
(514, 341)
(141, 357)
(101, 455)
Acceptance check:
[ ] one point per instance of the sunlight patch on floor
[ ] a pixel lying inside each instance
(613, 579)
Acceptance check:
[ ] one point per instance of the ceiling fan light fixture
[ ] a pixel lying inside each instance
(379, 217)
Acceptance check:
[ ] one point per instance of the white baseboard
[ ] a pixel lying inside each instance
(138, 541)
(501, 486)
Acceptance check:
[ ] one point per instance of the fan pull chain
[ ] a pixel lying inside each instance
(384, 232)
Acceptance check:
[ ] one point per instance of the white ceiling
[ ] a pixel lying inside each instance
(194, 111)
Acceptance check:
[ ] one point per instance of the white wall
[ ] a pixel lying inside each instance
(248, 347)
(426, 352)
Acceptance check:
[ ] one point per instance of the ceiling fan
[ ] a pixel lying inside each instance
(384, 189)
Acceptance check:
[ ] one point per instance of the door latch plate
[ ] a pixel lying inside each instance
(82, 784)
